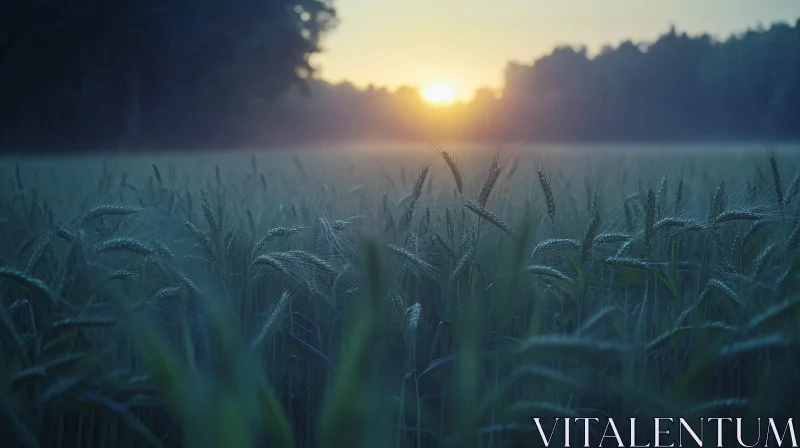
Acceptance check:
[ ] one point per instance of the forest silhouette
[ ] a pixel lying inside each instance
(210, 74)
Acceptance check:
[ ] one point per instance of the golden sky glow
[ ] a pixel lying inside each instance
(439, 93)
(468, 42)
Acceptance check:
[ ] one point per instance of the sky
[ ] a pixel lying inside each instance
(467, 43)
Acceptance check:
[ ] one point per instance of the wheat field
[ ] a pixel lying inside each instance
(399, 298)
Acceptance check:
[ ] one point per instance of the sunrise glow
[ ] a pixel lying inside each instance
(439, 93)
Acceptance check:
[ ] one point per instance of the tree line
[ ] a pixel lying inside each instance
(676, 88)
(211, 74)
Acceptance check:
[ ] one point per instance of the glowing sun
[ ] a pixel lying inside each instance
(439, 93)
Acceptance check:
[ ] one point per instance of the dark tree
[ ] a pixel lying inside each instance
(161, 73)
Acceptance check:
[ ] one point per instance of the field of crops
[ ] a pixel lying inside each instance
(402, 299)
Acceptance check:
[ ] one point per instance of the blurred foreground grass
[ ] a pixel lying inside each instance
(435, 300)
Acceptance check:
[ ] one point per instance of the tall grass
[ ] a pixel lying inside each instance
(334, 300)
